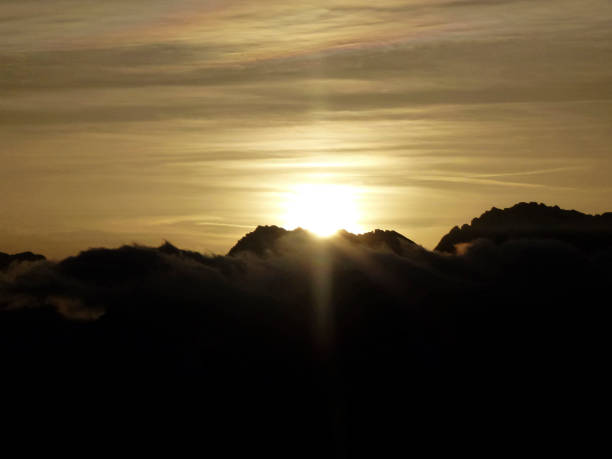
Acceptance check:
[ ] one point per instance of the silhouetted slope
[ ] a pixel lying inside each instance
(350, 346)
(380, 238)
(6, 259)
(264, 240)
(534, 221)
(260, 242)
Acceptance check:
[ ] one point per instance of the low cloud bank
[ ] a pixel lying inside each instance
(338, 340)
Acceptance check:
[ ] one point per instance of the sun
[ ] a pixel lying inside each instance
(322, 209)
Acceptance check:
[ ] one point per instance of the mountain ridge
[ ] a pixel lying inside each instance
(6, 259)
(533, 221)
(299, 334)
(524, 220)
(264, 239)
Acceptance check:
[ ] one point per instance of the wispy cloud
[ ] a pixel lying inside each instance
(111, 110)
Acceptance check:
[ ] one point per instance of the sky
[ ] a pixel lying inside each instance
(195, 121)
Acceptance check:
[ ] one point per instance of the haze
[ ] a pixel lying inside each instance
(194, 121)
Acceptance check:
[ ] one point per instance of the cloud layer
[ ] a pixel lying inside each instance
(314, 344)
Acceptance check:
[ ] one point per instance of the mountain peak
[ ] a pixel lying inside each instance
(377, 238)
(259, 241)
(534, 221)
(6, 259)
(263, 239)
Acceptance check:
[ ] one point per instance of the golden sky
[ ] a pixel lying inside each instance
(130, 121)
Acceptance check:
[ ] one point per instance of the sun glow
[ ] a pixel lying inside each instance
(322, 209)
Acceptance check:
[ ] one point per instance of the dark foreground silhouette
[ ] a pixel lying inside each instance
(353, 346)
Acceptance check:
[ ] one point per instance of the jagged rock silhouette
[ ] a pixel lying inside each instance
(264, 240)
(534, 221)
(260, 241)
(421, 343)
(6, 260)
